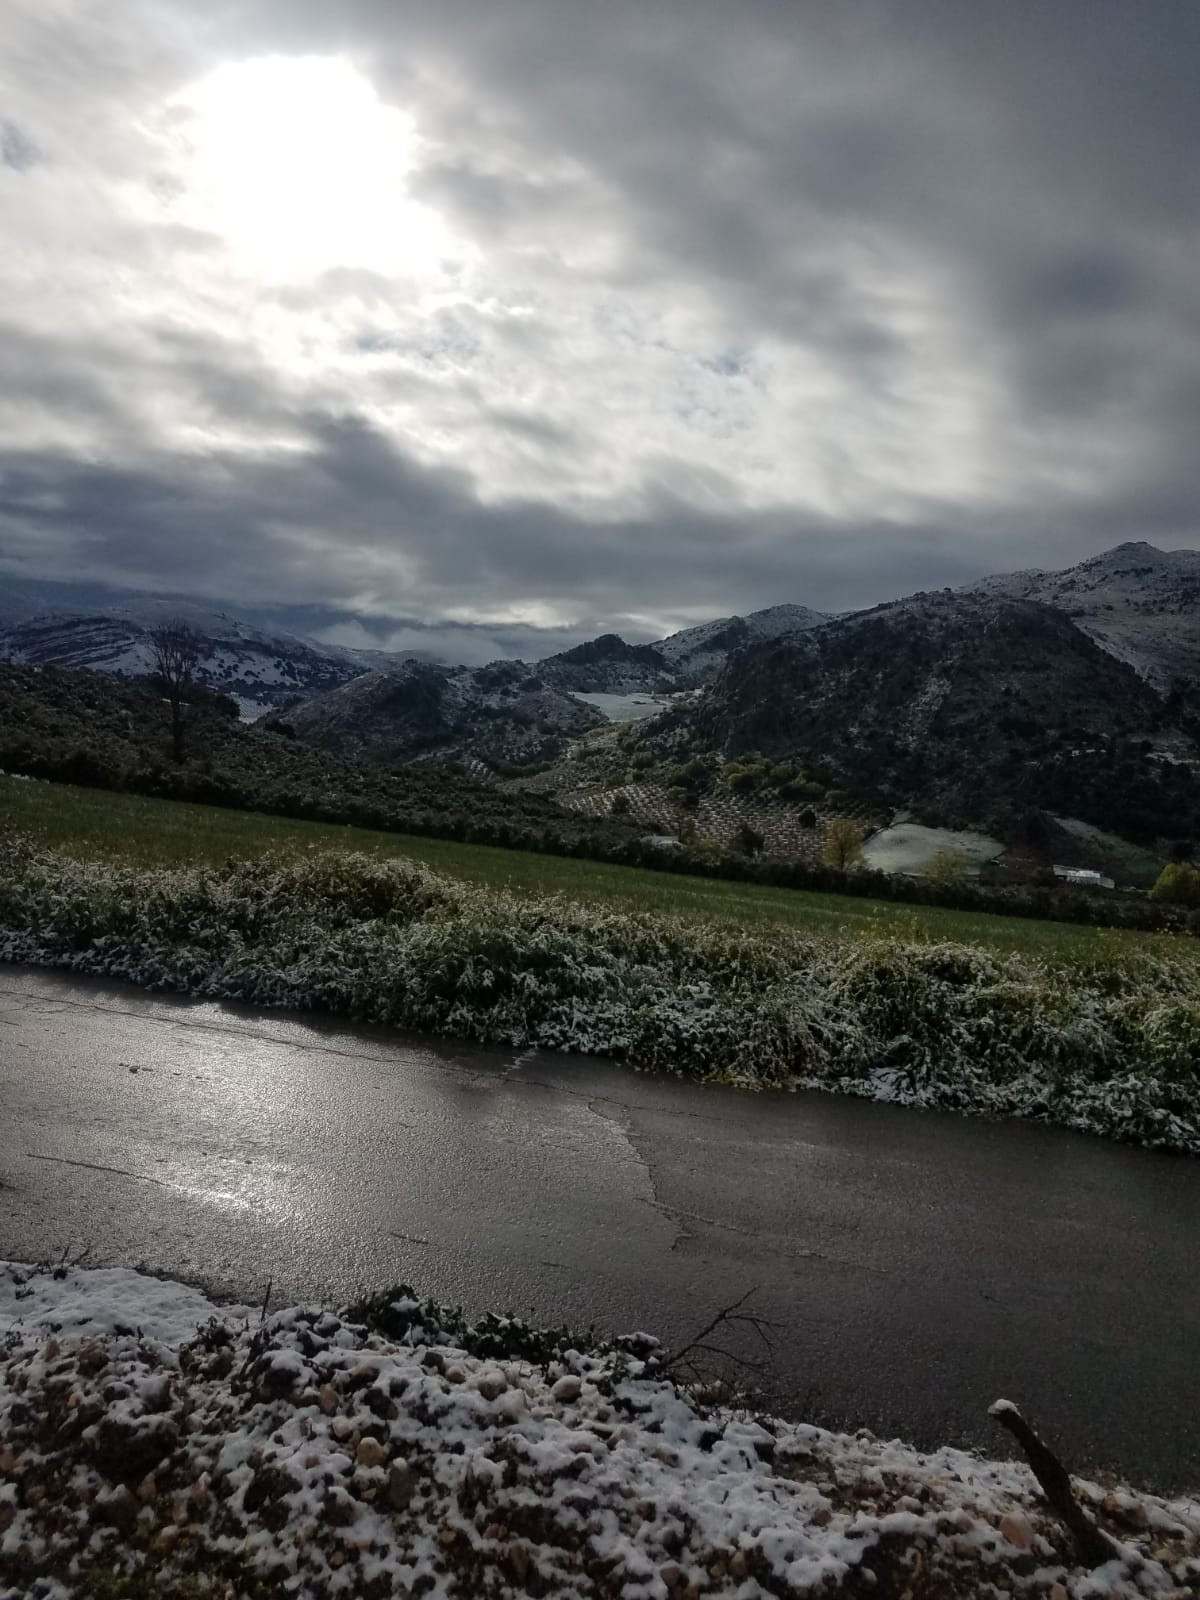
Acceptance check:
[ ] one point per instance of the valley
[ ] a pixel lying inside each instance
(1056, 714)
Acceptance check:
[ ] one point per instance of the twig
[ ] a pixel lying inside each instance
(731, 1316)
(257, 1339)
(1094, 1545)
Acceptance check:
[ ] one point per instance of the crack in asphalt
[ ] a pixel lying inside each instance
(655, 1202)
(93, 1166)
(760, 1239)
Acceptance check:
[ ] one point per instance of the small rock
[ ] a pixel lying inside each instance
(1057, 1592)
(448, 1537)
(672, 1574)
(518, 1560)
(401, 1486)
(738, 1565)
(567, 1388)
(1016, 1529)
(147, 1490)
(820, 1516)
(492, 1384)
(327, 1399)
(337, 1559)
(370, 1452)
(341, 1428)
(455, 1375)
(120, 1508)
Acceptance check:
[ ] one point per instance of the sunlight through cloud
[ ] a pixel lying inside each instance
(300, 167)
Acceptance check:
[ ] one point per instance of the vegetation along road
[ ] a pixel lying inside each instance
(151, 831)
(915, 1265)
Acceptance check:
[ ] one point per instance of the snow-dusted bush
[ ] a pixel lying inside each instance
(1112, 1045)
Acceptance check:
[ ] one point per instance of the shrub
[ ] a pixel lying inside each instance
(1178, 884)
(843, 843)
(947, 866)
(1110, 1047)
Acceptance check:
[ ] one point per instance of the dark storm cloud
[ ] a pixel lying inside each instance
(879, 220)
(17, 149)
(269, 528)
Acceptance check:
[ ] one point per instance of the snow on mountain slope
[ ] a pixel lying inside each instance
(606, 665)
(259, 669)
(701, 652)
(500, 713)
(1139, 603)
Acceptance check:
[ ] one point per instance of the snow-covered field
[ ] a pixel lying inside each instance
(145, 1430)
(250, 710)
(909, 847)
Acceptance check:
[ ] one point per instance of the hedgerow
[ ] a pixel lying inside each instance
(1112, 1046)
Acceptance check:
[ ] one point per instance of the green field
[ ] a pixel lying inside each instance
(90, 822)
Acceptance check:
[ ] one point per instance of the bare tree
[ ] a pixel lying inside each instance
(176, 648)
(843, 843)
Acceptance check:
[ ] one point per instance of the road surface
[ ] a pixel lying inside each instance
(918, 1265)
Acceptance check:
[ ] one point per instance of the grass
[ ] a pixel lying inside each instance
(93, 822)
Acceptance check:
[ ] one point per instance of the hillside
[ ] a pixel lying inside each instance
(83, 727)
(607, 665)
(971, 709)
(258, 668)
(697, 654)
(1139, 603)
(500, 714)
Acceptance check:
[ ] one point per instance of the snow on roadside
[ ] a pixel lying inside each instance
(319, 1458)
(102, 1300)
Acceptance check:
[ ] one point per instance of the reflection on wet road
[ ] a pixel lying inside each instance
(917, 1264)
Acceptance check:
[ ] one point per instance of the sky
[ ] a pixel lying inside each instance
(544, 318)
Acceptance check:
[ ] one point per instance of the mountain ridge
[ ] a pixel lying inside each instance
(1139, 603)
(970, 707)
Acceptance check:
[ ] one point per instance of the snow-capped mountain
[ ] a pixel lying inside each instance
(502, 713)
(694, 654)
(970, 708)
(1139, 603)
(258, 668)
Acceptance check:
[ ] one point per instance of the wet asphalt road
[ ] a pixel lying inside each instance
(918, 1265)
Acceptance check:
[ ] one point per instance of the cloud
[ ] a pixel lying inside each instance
(665, 311)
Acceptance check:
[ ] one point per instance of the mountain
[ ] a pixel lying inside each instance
(696, 654)
(258, 668)
(969, 708)
(607, 665)
(502, 714)
(1139, 603)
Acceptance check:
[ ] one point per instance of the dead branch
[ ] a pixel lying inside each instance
(731, 1317)
(1095, 1547)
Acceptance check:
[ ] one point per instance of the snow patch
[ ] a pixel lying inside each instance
(910, 847)
(318, 1457)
